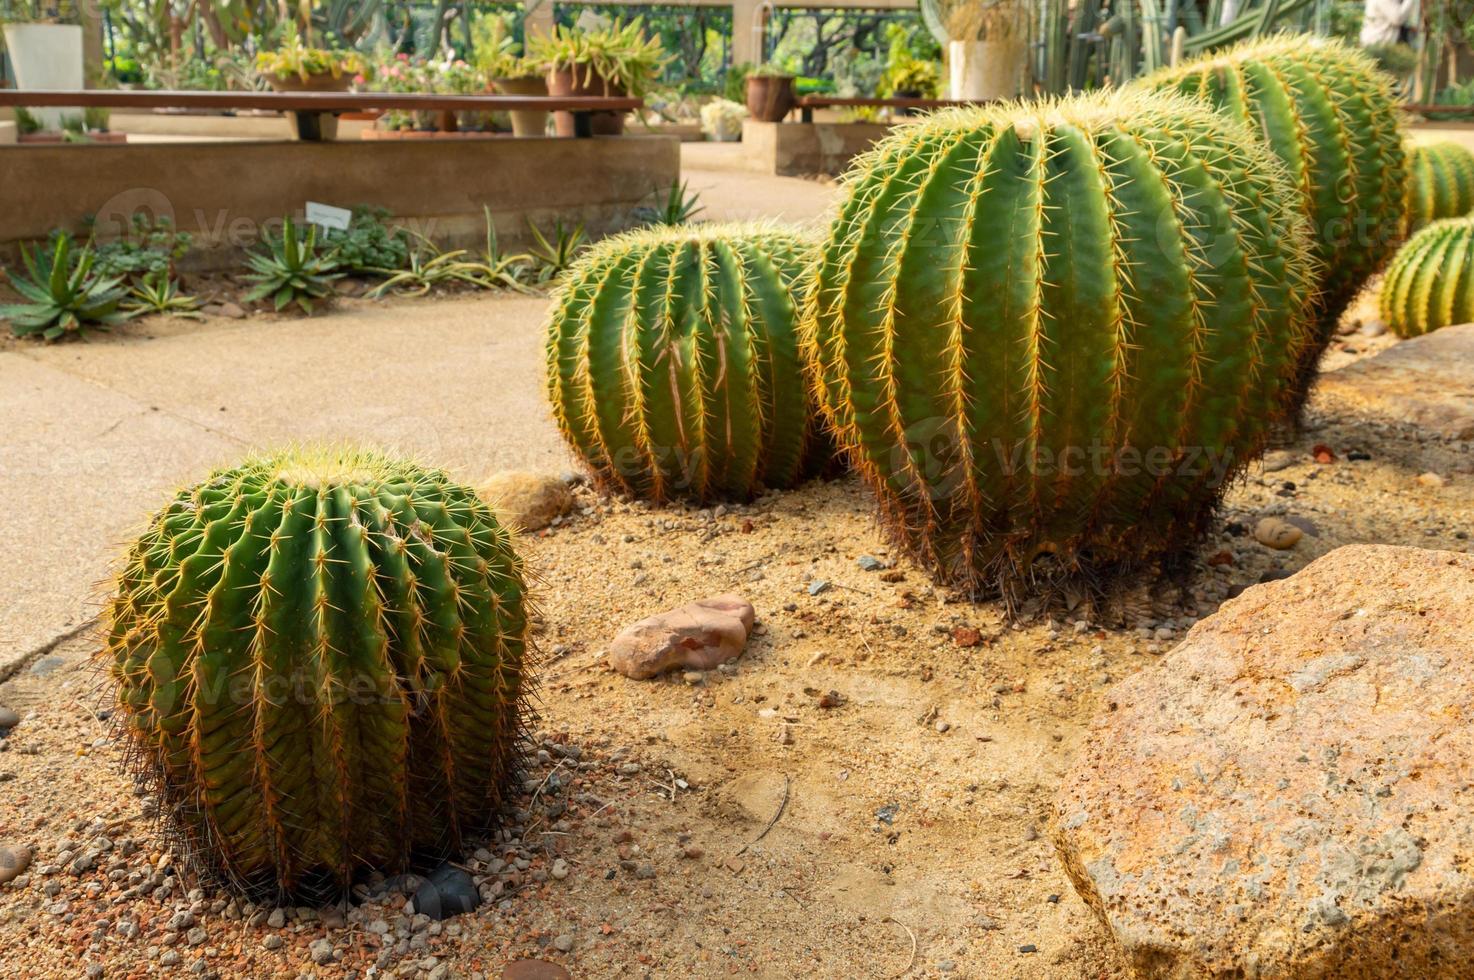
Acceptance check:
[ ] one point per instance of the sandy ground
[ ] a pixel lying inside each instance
(864, 794)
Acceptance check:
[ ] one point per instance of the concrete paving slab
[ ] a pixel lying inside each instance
(1427, 381)
(81, 464)
(729, 192)
(456, 382)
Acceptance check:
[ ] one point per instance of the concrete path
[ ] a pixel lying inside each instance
(96, 435)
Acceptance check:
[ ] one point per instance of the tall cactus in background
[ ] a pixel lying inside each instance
(1330, 116)
(1048, 333)
(1430, 283)
(673, 364)
(1440, 183)
(319, 660)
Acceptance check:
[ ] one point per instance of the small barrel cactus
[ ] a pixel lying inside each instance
(319, 664)
(1330, 115)
(1057, 329)
(1430, 283)
(673, 361)
(1440, 183)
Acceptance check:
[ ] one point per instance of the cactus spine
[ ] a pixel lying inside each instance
(319, 663)
(1440, 183)
(1430, 283)
(1033, 324)
(1330, 116)
(673, 364)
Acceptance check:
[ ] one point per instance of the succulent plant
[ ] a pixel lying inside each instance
(1440, 183)
(1048, 333)
(673, 361)
(290, 269)
(1430, 283)
(62, 295)
(319, 660)
(1330, 115)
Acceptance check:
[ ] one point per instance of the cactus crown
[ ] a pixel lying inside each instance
(319, 659)
(673, 365)
(1012, 296)
(1430, 283)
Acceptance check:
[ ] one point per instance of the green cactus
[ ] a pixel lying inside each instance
(1430, 283)
(1330, 115)
(1440, 183)
(1057, 329)
(673, 362)
(319, 658)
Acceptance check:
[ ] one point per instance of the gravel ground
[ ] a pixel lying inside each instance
(862, 794)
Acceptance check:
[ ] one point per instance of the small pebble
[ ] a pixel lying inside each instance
(1277, 534)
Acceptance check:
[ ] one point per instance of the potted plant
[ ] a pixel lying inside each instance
(45, 51)
(910, 77)
(613, 61)
(295, 67)
(721, 120)
(770, 95)
(508, 73)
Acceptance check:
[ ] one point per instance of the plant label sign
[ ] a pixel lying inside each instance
(327, 217)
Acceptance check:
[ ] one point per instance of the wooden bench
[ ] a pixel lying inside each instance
(308, 108)
(808, 103)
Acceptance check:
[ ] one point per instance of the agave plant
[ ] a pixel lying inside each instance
(62, 296)
(428, 268)
(498, 269)
(553, 257)
(291, 270)
(679, 207)
(159, 293)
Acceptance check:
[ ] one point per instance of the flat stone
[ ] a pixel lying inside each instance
(1427, 381)
(534, 970)
(697, 636)
(13, 861)
(527, 501)
(1287, 794)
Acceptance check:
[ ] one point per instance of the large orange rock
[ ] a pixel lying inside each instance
(1290, 792)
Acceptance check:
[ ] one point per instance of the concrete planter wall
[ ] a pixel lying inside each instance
(224, 193)
(46, 56)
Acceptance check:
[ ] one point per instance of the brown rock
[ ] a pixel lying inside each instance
(527, 501)
(698, 636)
(1288, 794)
(13, 861)
(232, 311)
(534, 970)
(1427, 381)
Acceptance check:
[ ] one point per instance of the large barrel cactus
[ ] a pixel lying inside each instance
(319, 663)
(673, 362)
(1430, 283)
(1330, 115)
(1048, 333)
(1440, 183)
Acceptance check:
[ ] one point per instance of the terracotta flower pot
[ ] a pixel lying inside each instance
(583, 80)
(325, 82)
(770, 98)
(525, 122)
